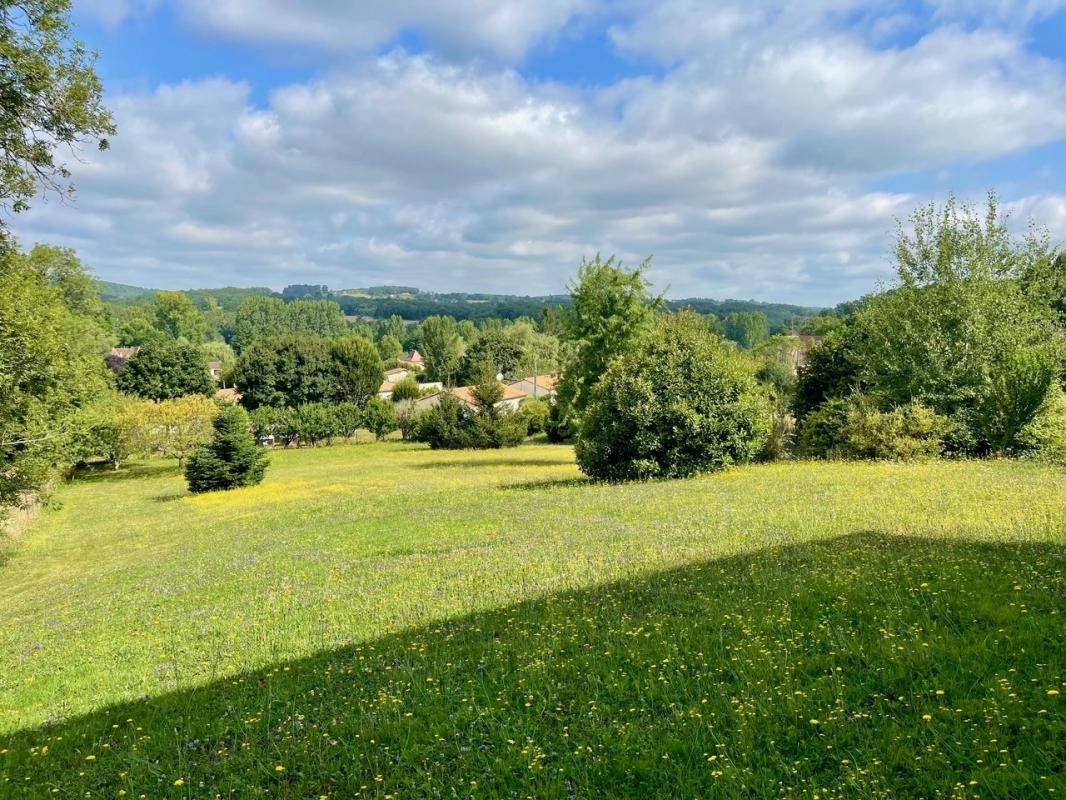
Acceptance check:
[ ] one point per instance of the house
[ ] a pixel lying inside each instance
(413, 359)
(385, 390)
(118, 357)
(396, 375)
(215, 368)
(511, 400)
(538, 386)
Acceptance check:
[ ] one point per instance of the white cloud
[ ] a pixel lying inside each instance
(744, 168)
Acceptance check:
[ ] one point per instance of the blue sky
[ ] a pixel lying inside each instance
(756, 149)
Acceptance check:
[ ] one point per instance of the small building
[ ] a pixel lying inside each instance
(215, 368)
(385, 390)
(396, 374)
(413, 359)
(541, 387)
(511, 400)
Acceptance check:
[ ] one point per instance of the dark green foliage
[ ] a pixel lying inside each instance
(682, 402)
(444, 426)
(165, 369)
(305, 291)
(357, 370)
(823, 431)
(379, 417)
(231, 459)
(285, 371)
(829, 371)
(747, 328)
(51, 97)
(496, 348)
(453, 425)
(611, 306)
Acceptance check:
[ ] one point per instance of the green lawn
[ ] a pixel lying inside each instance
(386, 621)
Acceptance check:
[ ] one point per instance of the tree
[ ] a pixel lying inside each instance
(166, 369)
(498, 348)
(138, 331)
(357, 370)
(680, 403)
(830, 371)
(315, 318)
(231, 459)
(389, 347)
(285, 371)
(178, 318)
(51, 97)
(258, 318)
(405, 390)
(348, 417)
(442, 348)
(611, 307)
(379, 417)
(316, 422)
(61, 267)
(960, 334)
(51, 364)
(749, 329)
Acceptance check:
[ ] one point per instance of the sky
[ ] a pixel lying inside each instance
(754, 149)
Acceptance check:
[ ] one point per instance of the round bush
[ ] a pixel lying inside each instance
(682, 402)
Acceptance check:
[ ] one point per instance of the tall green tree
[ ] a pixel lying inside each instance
(960, 334)
(258, 318)
(442, 347)
(51, 98)
(51, 364)
(178, 318)
(612, 306)
(285, 371)
(165, 369)
(357, 370)
(749, 329)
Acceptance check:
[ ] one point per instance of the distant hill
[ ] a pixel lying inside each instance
(111, 292)
(411, 303)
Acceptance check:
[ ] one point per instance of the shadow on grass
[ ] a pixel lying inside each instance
(479, 463)
(547, 483)
(875, 666)
(105, 473)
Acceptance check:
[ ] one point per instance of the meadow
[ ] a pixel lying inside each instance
(381, 620)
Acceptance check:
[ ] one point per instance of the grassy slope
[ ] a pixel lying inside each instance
(387, 620)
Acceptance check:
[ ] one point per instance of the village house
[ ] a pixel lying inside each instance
(413, 359)
(541, 387)
(511, 400)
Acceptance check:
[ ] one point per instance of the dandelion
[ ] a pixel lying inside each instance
(279, 768)
(927, 717)
(1052, 692)
(179, 782)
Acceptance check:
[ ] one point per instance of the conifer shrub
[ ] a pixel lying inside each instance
(230, 460)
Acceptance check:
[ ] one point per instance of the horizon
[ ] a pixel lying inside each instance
(755, 150)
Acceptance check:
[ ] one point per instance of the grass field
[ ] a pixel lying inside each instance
(386, 621)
